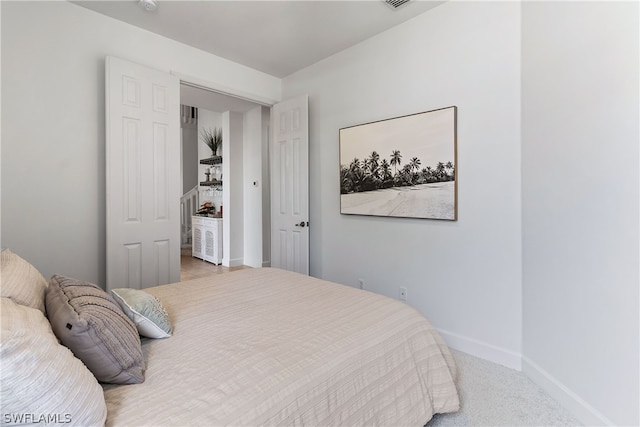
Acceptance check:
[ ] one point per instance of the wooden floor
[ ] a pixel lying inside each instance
(193, 268)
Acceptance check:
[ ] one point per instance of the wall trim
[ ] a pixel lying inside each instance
(236, 262)
(225, 90)
(483, 350)
(577, 406)
(584, 412)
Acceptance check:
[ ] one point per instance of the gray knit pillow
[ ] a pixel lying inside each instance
(92, 325)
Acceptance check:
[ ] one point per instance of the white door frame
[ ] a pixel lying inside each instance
(217, 88)
(247, 96)
(225, 90)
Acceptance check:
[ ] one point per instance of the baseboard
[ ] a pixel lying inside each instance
(483, 350)
(584, 412)
(580, 409)
(237, 262)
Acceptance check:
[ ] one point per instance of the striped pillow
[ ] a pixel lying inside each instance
(21, 281)
(41, 382)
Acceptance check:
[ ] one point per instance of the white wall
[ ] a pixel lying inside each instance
(252, 187)
(1, 80)
(465, 275)
(266, 189)
(190, 173)
(233, 182)
(53, 185)
(580, 186)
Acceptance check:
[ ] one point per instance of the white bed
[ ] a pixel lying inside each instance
(271, 347)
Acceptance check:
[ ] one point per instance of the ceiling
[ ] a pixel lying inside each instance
(275, 37)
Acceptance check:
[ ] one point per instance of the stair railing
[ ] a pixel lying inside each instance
(189, 203)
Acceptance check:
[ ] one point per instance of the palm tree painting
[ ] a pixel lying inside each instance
(401, 167)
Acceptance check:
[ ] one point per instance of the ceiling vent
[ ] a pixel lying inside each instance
(396, 3)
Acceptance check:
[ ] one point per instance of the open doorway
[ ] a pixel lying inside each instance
(246, 127)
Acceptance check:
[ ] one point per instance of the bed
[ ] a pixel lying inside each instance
(271, 347)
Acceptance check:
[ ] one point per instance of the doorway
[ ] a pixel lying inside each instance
(143, 164)
(250, 144)
(194, 268)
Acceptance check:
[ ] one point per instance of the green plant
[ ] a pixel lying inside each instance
(213, 139)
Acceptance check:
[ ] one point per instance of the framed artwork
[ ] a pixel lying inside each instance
(401, 167)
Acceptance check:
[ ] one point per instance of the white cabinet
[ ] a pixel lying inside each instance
(207, 238)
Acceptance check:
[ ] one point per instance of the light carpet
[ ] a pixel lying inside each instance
(493, 395)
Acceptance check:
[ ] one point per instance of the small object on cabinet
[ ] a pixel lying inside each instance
(206, 209)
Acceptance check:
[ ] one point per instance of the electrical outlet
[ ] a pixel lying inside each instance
(403, 294)
(361, 283)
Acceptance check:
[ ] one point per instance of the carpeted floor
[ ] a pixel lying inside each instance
(493, 395)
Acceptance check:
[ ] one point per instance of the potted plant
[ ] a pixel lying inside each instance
(213, 139)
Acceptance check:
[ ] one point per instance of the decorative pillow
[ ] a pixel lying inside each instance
(41, 382)
(21, 281)
(91, 323)
(146, 311)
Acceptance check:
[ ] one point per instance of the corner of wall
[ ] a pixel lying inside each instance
(563, 395)
(483, 350)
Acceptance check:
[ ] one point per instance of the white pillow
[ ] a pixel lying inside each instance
(146, 311)
(41, 382)
(21, 281)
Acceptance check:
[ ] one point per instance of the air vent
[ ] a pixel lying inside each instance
(396, 3)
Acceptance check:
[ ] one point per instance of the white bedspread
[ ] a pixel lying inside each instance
(270, 347)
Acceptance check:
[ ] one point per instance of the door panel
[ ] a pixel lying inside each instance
(143, 175)
(290, 185)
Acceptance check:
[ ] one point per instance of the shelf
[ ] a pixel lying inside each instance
(210, 183)
(214, 160)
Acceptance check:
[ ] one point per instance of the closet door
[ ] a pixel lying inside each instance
(142, 175)
(289, 166)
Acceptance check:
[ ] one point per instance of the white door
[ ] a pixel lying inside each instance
(289, 165)
(142, 175)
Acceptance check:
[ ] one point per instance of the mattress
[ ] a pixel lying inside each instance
(271, 347)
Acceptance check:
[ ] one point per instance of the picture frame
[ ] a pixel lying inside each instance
(402, 167)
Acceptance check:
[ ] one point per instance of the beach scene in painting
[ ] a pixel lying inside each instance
(402, 167)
